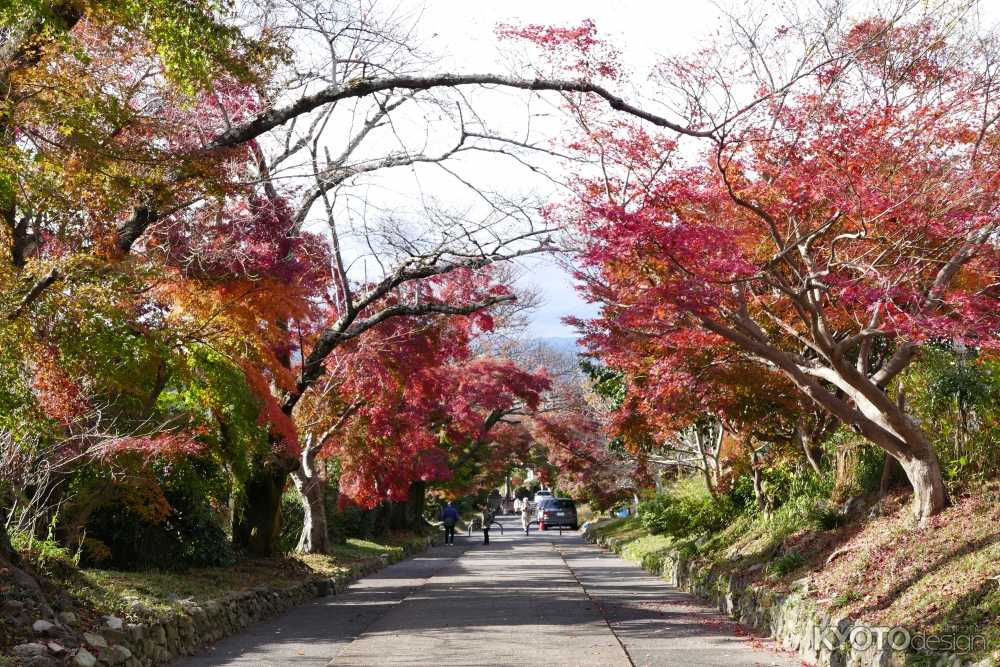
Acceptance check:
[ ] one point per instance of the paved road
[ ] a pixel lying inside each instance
(540, 600)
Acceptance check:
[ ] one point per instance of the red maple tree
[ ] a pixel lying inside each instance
(826, 230)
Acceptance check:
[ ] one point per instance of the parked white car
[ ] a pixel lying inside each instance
(543, 493)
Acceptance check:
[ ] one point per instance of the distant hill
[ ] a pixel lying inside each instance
(561, 344)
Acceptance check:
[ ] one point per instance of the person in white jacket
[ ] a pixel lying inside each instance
(526, 510)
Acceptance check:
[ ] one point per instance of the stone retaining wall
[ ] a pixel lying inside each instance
(189, 628)
(198, 625)
(793, 619)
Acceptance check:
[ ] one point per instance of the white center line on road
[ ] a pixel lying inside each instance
(597, 605)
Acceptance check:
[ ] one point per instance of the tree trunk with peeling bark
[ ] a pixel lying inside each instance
(310, 482)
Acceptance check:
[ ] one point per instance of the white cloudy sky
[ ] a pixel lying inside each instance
(462, 32)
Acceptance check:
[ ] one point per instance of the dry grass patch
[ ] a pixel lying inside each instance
(935, 580)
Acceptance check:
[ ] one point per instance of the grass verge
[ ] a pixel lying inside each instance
(133, 595)
(142, 596)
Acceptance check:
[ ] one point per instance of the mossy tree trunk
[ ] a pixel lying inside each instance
(258, 526)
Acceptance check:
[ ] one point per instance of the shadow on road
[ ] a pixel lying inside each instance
(472, 595)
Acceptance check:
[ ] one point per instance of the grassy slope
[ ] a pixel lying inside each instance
(933, 580)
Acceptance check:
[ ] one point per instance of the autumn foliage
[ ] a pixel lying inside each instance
(180, 320)
(824, 231)
(203, 320)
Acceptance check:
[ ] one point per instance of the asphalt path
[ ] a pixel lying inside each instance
(542, 599)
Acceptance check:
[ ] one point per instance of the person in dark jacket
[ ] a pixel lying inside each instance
(449, 517)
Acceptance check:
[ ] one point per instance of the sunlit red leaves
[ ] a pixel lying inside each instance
(60, 396)
(281, 427)
(579, 49)
(246, 236)
(914, 52)
(166, 445)
(885, 187)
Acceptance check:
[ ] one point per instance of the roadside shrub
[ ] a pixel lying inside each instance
(804, 512)
(790, 562)
(95, 551)
(684, 515)
(784, 482)
(955, 393)
(189, 536)
(47, 554)
(741, 495)
(345, 522)
(202, 541)
(826, 516)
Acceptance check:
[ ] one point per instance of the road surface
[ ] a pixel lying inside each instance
(545, 599)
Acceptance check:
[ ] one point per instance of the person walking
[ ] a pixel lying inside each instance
(487, 517)
(525, 515)
(449, 517)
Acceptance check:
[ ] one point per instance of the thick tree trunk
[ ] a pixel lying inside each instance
(258, 526)
(923, 470)
(310, 482)
(865, 407)
(416, 503)
(315, 529)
